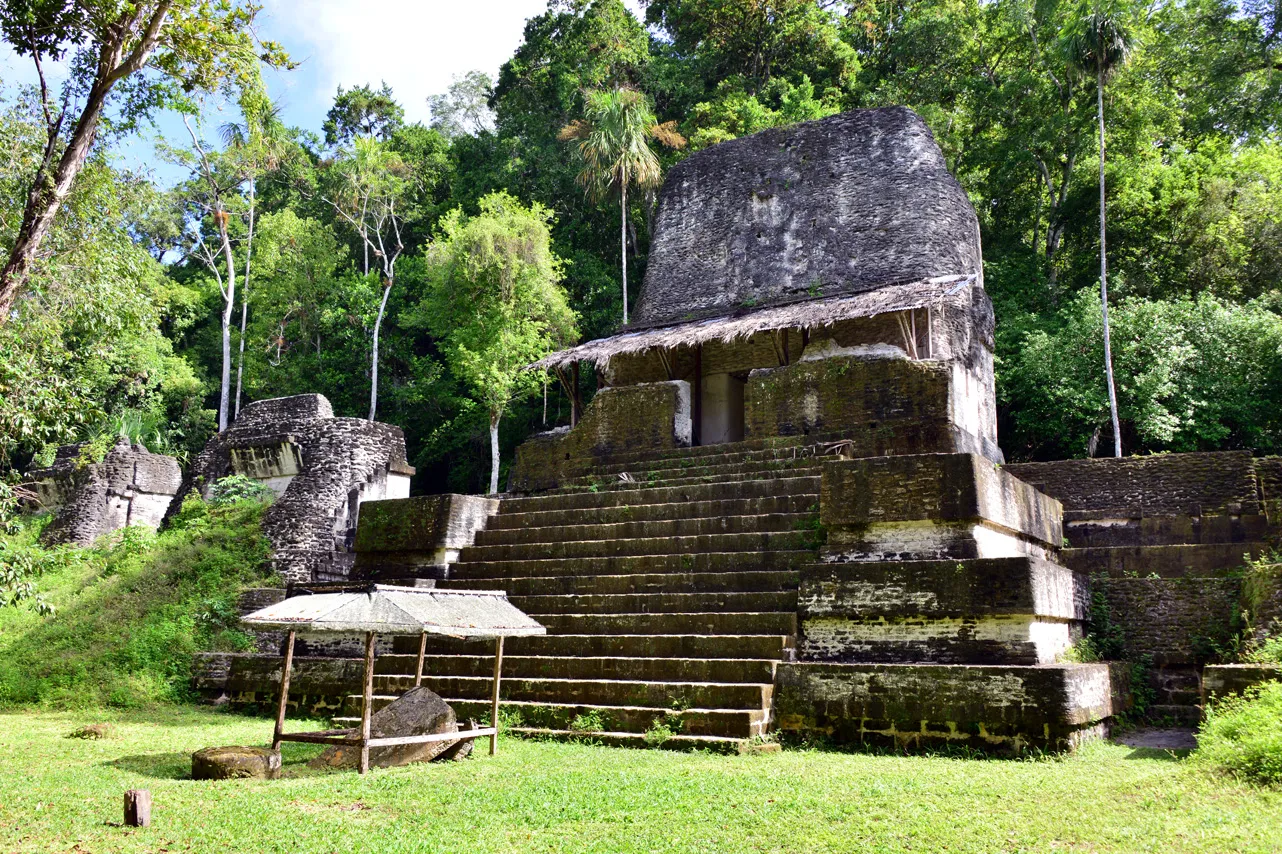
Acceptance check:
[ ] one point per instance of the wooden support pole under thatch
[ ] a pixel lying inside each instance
(367, 701)
(418, 668)
(494, 702)
(285, 667)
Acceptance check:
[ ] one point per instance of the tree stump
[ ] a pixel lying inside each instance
(137, 808)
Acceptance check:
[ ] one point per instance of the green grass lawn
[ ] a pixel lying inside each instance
(60, 794)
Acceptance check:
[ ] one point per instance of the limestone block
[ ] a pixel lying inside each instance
(934, 506)
(417, 537)
(417, 712)
(650, 416)
(1005, 709)
(1221, 680)
(235, 763)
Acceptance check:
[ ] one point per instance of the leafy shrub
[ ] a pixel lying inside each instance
(1243, 735)
(133, 610)
(237, 487)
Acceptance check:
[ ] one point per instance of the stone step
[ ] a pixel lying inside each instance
(710, 623)
(658, 603)
(591, 668)
(691, 477)
(747, 446)
(797, 503)
(674, 582)
(706, 562)
(1179, 561)
(781, 486)
(602, 692)
(725, 723)
(750, 646)
(732, 469)
(687, 527)
(750, 456)
(677, 545)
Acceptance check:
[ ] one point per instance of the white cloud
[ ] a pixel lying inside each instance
(416, 47)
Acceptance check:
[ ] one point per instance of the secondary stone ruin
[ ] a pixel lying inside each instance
(131, 486)
(785, 507)
(321, 468)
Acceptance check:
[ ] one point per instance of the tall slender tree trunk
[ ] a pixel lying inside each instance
(244, 298)
(373, 373)
(494, 450)
(229, 303)
(623, 240)
(1103, 267)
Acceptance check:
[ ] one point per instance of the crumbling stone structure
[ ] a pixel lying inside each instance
(322, 469)
(131, 486)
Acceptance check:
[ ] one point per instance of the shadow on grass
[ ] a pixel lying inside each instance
(158, 766)
(1165, 754)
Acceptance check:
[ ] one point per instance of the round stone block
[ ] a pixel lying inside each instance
(235, 763)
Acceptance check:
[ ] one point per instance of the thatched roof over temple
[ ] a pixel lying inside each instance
(807, 314)
(800, 227)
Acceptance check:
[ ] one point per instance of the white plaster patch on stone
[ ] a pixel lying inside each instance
(829, 637)
(277, 485)
(148, 509)
(827, 348)
(267, 461)
(398, 486)
(965, 400)
(810, 407)
(682, 423)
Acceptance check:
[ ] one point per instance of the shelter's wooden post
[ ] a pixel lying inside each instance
(418, 668)
(367, 701)
(696, 428)
(494, 703)
(284, 690)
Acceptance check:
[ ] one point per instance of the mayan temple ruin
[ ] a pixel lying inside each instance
(786, 509)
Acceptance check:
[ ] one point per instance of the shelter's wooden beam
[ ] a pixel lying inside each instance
(494, 701)
(285, 667)
(367, 701)
(418, 668)
(666, 362)
(462, 735)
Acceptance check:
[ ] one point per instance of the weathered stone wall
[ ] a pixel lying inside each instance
(934, 506)
(415, 539)
(1221, 680)
(882, 405)
(652, 416)
(323, 468)
(1002, 709)
(1160, 485)
(131, 486)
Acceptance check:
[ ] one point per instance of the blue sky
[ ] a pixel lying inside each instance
(416, 47)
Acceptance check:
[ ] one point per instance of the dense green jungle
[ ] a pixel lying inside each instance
(344, 239)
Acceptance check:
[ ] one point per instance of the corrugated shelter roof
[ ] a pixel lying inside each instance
(808, 314)
(386, 609)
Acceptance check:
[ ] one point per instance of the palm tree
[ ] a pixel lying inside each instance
(1100, 43)
(614, 142)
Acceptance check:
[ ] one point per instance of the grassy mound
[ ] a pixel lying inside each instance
(117, 624)
(1243, 735)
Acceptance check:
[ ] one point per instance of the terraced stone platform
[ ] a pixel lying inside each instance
(668, 585)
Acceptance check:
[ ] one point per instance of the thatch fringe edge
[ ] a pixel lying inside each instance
(803, 315)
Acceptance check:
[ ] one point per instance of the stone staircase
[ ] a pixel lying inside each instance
(667, 582)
